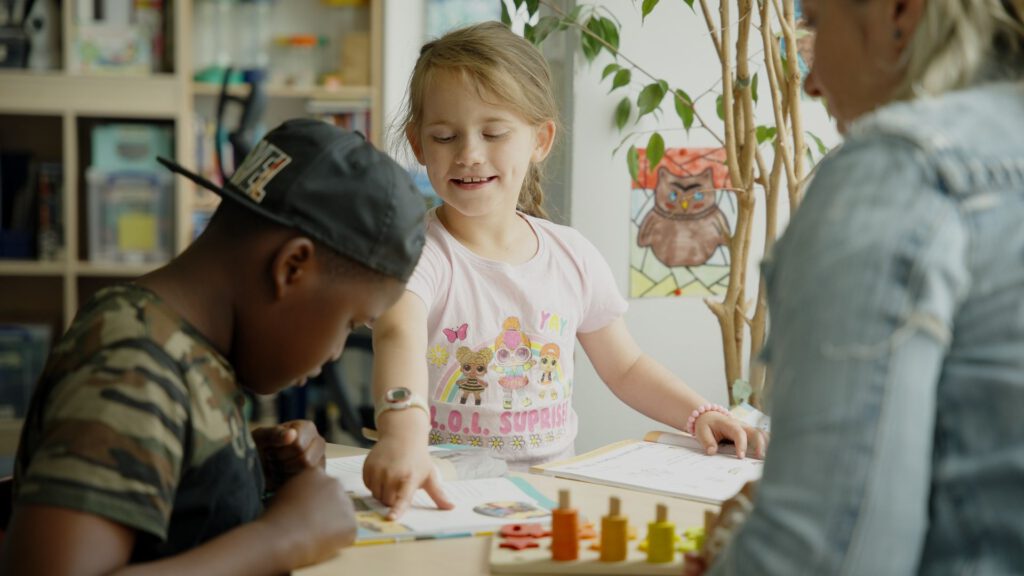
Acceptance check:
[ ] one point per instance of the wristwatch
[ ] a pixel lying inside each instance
(400, 398)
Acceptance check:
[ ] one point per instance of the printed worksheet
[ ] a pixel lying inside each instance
(481, 505)
(679, 468)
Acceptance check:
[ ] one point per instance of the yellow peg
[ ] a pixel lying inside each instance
(614, 533)
(661, 536)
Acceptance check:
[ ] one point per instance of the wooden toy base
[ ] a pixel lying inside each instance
(538, 561)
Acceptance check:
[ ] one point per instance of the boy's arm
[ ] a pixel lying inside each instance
(648, 387)
(309, 519)
(399, 464)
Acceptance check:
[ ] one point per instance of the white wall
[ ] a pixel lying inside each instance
(679, 332)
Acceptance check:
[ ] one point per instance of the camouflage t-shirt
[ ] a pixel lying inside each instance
(137, 419)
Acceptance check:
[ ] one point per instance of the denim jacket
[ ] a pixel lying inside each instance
(897, 352)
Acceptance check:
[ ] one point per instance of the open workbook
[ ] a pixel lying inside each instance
(662, 463)
(481, 505)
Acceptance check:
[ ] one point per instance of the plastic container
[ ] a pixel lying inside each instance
(130, 216)
(298, 60)
(126, 146)
(252, 45)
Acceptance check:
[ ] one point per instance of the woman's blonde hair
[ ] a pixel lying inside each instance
(506, 69)
(962, 42)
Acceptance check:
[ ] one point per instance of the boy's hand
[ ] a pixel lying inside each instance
(312, 516)
(394, 471)
(714, 427)
(287, 449)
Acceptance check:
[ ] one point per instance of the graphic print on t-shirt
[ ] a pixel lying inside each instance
(507, 392)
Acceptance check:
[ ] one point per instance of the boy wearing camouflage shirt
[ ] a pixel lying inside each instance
(135, 450)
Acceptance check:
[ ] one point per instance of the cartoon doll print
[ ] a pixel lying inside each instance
(513, 358)
(549, 354)
(474, 368)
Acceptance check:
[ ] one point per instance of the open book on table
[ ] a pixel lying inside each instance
(482, 504)
(665, 463)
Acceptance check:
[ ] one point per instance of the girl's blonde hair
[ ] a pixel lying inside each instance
(962, 42)
(506, 69)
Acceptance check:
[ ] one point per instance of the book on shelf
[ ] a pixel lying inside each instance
(665, 463)
(31, 208)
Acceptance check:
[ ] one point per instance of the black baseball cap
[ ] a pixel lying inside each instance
(334, 186)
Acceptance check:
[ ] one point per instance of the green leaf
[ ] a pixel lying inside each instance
(650, 98)
(655, 150)
(720, 107)
(822, 149)
(528, 34)
(753, 88)
(591, 45)
(506, 19)
(609, 69)
(572, 16)
(532, 6)
(546, 26)
(611, 32)
(633, 161)
(689, 3)
(765, 133)
(684, 108)
(622, 78)
(622, 113)
(647, 7)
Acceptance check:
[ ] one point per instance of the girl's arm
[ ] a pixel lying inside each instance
(648, 387)
(399, 464)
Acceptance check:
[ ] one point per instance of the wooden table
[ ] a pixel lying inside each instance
(470, 556)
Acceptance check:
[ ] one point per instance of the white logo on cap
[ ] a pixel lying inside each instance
(258, 169)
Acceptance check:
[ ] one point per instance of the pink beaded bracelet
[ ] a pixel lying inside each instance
(692, 422)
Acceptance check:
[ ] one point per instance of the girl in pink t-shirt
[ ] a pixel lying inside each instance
(501, 294)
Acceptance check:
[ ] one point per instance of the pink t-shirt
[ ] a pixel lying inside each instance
(501, 339)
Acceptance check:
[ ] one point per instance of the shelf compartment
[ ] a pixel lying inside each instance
(113, 269)
(155, 96)
(344, 94)
(31, 268)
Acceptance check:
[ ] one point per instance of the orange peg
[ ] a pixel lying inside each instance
(565, 543)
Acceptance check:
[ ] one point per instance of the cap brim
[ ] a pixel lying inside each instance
(227, 191)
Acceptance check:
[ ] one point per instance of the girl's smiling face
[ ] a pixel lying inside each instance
(476, 152)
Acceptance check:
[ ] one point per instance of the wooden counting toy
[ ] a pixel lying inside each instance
(531, 549)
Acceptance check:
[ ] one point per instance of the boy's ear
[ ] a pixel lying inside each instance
(293, 264)
(413, 137)
(545, 140)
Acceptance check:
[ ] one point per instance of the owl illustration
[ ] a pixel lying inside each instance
(685, 225)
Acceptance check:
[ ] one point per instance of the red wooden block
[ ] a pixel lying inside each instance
(524, 531)
(518, 543)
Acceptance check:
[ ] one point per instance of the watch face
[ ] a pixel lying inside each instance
(398, 395)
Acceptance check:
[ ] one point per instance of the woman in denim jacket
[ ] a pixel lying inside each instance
(897, 301)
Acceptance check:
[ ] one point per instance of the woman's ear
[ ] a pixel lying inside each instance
(412, 136)
(905, 16)
(545, 139)
(293, 265)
